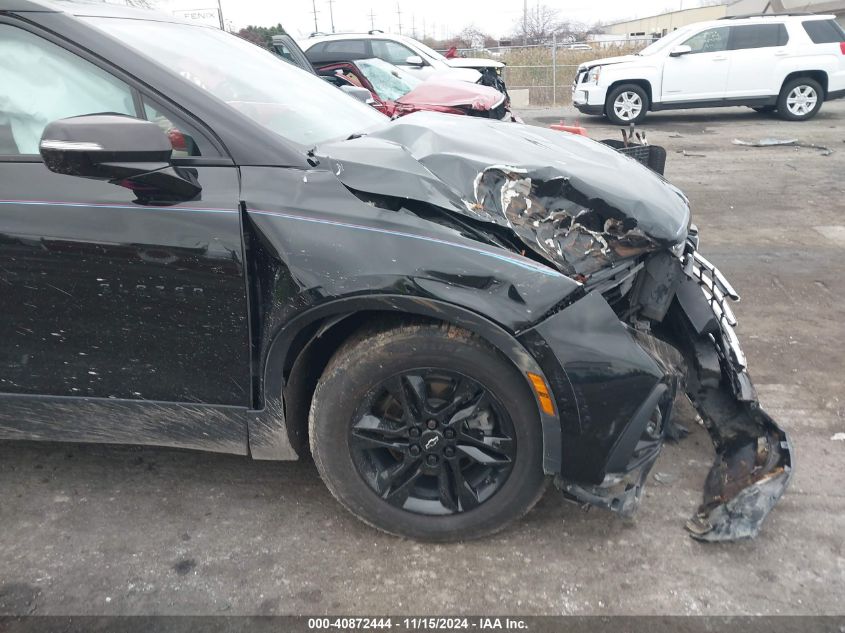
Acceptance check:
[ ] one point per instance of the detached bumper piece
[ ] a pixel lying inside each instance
(753, 465)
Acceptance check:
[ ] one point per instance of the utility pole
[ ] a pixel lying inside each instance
(220, 15)
(331, 13)
(414, 26)
(315, 12)
(423, 29)
(525, 23)
(399, 14)
(372, 20)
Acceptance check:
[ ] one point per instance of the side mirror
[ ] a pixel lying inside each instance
(125, 151)
(415, 60)
(360, 93)
(678, 51)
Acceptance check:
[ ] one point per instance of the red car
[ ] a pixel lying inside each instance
(396, 92)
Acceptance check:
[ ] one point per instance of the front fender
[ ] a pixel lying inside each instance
(316, 251)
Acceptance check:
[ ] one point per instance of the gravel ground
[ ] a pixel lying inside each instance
(126, 530)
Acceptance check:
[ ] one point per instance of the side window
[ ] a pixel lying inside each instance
(758, 36)
(353, 48)
(284, 52)
(824, 31)
(392, 52)
(709, 41)
(184, 138)
(41, 82)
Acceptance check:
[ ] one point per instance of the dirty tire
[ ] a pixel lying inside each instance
(795, 93)
(632, 94)
(376, 356)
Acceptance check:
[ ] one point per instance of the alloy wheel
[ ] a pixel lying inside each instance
(628, 105)
(433, 442)
(802, 100)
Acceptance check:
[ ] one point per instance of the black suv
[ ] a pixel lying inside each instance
(202, 246)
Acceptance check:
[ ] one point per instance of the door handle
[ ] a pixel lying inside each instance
(720, 59)
(781, 54)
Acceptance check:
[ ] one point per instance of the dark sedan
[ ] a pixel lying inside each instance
(203, 247)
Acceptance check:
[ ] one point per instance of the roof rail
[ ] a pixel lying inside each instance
(767, 15)
(374, 31)
(317, 34)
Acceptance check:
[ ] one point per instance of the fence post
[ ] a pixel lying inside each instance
(554, 69)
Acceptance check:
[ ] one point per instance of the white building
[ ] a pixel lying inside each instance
(659, 25)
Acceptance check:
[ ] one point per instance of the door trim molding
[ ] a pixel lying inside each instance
(213, 428)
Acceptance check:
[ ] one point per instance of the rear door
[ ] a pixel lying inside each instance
(701, 75)
(105, 297)
(757, 52)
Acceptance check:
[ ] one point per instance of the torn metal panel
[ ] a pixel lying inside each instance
(783, 142)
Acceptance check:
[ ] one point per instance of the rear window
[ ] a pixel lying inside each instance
(758, 36)
(824, 31)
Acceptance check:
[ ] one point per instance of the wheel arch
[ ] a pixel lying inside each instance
(645, 84)
(818, 75)
(299, 352)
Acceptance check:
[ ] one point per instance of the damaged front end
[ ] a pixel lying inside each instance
(678, 310)
(753, 463)
(653, 320)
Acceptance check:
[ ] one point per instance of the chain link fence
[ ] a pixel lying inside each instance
(547, 71)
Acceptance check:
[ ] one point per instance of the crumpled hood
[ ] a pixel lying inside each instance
(608, 61)
(575, 202)
(444, 92)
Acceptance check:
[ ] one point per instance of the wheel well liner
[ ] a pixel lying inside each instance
(300, 351)
(818, 75)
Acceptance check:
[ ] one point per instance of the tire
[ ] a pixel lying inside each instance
(635, 97)
(800, 99)
(765, 109)
(359, 401)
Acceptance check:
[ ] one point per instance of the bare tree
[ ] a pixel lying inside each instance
(538, 25)
(472, 37)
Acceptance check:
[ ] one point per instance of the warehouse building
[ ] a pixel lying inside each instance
(659, 25)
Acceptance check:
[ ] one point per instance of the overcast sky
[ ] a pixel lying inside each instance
(441, 18)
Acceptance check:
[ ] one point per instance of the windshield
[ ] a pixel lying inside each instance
(284, 99)
(665, 41)
(390, 82)
(433, 54)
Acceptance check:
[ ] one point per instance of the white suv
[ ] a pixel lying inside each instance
(789, 63)
(405, 52)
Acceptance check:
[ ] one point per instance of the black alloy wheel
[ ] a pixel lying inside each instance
(432, 441)
(426, 431)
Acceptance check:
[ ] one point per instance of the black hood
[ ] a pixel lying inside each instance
(576, 202)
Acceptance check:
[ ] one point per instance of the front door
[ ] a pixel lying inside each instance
(398, 54)
(702, 74)
(104, 297)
